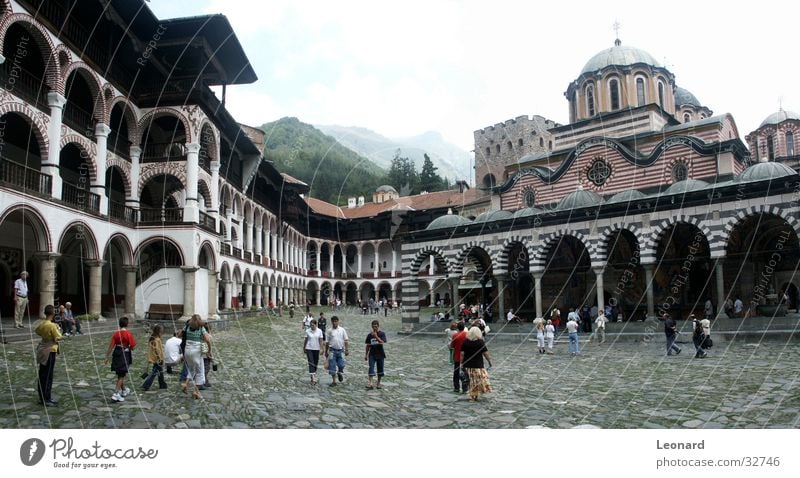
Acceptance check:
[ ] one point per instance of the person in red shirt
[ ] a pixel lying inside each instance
(455, 344)
(121, 352)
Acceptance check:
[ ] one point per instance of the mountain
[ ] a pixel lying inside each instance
(452, 161)
(332, 171)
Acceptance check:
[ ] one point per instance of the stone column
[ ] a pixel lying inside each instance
(272, 295)
(227, 302)
(501, 299)
(601, 302)
(191, 211)
(359, 253)
(537, 286)
(377, 259)
(344, 261)
(132, 200)
(95, 286)
(189, 301)
(410, 314)
(99, 185)
(50, 165)
(721, 296)
(47, 281)
(259, 236)
(248, 295)
(249, 237)
(431, 293)
(130, 291)
(213, 297)
(455, 300)
(257, 302)
(330, 256)
(318, 298)
(394, 263)
(648, 280)
(430, 265)
(214, 208)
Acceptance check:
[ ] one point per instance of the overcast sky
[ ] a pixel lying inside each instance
(403, 68)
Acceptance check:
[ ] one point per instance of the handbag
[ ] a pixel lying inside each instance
(708, 343)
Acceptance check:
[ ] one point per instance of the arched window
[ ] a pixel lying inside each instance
(497, 148)
(789, 143)
(613, 86)
(661, 94)
(770, 148)
(549, 145)
(640, 98)
(590, 100)
(488, 151)
(510, 146)
(541, 142)
(686, 117)
(519, 142)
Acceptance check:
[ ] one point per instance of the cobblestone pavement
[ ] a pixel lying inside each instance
(263, 382)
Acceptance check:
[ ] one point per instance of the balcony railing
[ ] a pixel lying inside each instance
(237, 252)
(80, 197)
(248, 256)
(208, 222)
(257, 259)
(79, 119)
(25, 177)
(225, 249)
(157, 152)
(24, 84)
(119, 145)
(121, 212)
(157, 216)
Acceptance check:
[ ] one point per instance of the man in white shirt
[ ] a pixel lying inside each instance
(172, 351)
(572, 330)
(600, 324)
(337, 346)
(510, 317)
(738, 307)
(20, 299)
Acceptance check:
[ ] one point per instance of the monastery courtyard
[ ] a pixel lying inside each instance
(262, 382)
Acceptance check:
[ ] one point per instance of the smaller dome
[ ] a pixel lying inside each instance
(627, 196)
(780, 117)
(493, 216)
(386, 189)
(619, 55)
(682, 187)
(580, 198)
(765, 171)
(685, 97)
(526, 212)
(448, 221)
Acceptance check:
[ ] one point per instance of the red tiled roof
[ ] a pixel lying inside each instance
(292, 179)
(419, 202)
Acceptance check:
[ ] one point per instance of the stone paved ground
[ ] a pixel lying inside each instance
(262, 382)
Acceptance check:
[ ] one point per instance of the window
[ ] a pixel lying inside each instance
(640, 99)
(384, 264)
(755, 147)
(789, 143)
(488, 151)
(680, 171)
(528, 197)
(613, 86)
(510, 146)
(549, 145)
(599, 172)
(541, 142)
(519, 142)
(770, 148)
(687, 117)
(497, 148)
(661, 94)
(590, 100)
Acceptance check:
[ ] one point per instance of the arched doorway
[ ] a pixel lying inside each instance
(629, 297)
(21, 160)
(23, 235)
(568, 277)
(117, 256)
(684, 271)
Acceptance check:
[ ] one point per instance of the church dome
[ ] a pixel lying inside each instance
(619, 55)
(780, 117)
(686, 186)
(526, 212)
(685, 97)
(580, 198)
(386, 189)
(448, 221)
(493, 216)
(765, 171)
(627, 196)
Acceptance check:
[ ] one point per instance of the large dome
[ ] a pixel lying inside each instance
(448, 221)
(627, 196)
(580, 198)
(619, 56)
(682, 187)
(780, 117)
(685, 97)
(765, 171)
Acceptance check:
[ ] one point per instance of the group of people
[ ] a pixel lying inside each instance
(468, 351)
(701, 335)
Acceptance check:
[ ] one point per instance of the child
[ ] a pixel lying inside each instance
(540, 332)
(155, 357)
(120, 351)
(549, 334)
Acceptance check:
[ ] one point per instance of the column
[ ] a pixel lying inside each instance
(501, 299)
(249, 232)
(248, 295)
(132, 200)
(318, 297)
(50, 165)
(601, 302)
(285, 296)
(272, 296)
(95, 287)
(344, 262)
(377, 258)
(330, 256)
(259, 243)
(189, 302)
(130, 291)
(648, 280)
(227, 302)
(47, 281)
(455, 300)
(213, 298)
(359, 251)
(431, 293)
(721, 297)
(99, 185)
(430, 265)
(191, 212)
(214, 209)
(537, 286)
(394, 263)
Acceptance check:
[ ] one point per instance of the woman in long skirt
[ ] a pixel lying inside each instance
(473, 351)
(194, 334)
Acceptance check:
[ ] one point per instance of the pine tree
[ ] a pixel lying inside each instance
(402, 174)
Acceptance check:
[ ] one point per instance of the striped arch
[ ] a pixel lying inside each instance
(538, 262)
(214, 139)
(419, 258)
(601, 246)
(651, 246)
(458, 261)
(718, 246)
(124, 168)
(502, 256)
(208, 247)
(83, 232)
(43, 42)
(150, 116)
(127, 247)
(128, 112)
(5, 6)
(92, 80)
(151, 170)
(44, 239)
(87, 147)
(161, 238)
(38, 122)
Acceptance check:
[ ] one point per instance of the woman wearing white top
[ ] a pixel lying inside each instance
(549, 334)
(311, 347)
(540, 329)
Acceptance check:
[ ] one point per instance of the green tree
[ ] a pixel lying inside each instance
(403, 174)
(428, 179)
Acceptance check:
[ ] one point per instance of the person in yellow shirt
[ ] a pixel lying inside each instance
(46, 355)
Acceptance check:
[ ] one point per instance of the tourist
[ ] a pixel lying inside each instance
(510, 317)
(71, 319)
(698, 337)
(46, 355)
(374, 354)
(600, 323)
(706, 325)
(120, 350)
(208, 359)
(555, 317)
(459, 374)
(473, 351)
(549, 334)
(172, 351)
(20, 299)
(193, 335)
(738, 307)
(729, 307)
(450, 332)
(336, 345)
(572, 330)
(671, 332)
(307, 321)
(155, 358)
(312, 345)
(540, 332)
(708, 309)
(322, 323)
(291, 309)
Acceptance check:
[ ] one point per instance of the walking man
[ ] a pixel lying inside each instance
(671, 331)
(336, 345)
(572, 330)
(456, 342)
(374, 353)
(20, 299)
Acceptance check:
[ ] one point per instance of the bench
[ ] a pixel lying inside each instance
(164, 312)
